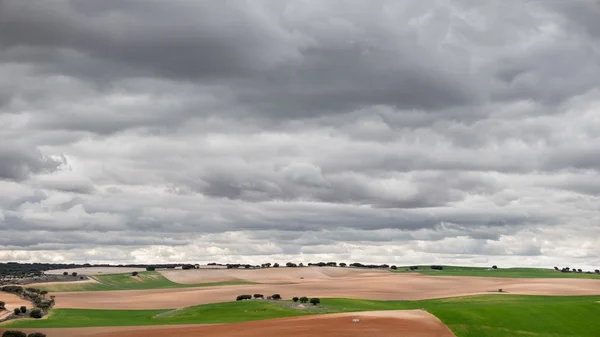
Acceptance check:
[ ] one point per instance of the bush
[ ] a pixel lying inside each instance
(315, 301)
(276, 296)
(135, 273)
(17, 311)
(12, 333)
(243, 297)
(295, 299)
(500, 290)
(36, 334)
(494, 267)
(597, 271)
(414, 267)
(150, 268)
(275, 265)
(342, 264)
(23, 309)
(437, 267)
(2, 305)
(36, 313)
(303, 299)
(259, 296)
(74, 274)
(65, 273)
(393, 267)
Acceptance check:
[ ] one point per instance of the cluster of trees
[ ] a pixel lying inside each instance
(574, 270)
(437, 267)
(372, 266)
(14, 333)
(304, 299)
(257, 296)
(325, 264)
(36, 296)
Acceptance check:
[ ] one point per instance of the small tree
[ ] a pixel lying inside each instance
(494, 267)
(295, 299)
(259, 296)
(23, 309)
(17, 311)
(36, 313)
(13, 333)
(275, 265)
(44, 293)
(135, 273)
(150, 268)
(597, 271)
(276, 296)
(36, 334)
(303, 299)
(393, 267)
(315, 301)
(243, 297)
(74, 273)
(2, 305)
(343, 264)
(65, 273)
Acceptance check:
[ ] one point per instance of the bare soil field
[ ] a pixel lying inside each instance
(95, 270)
(268, 275)
(376, 286)
(12, 302)
(415, 323)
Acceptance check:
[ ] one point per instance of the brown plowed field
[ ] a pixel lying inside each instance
(376, 286)
(414, 323)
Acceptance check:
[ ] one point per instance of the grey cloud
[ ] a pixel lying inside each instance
(18, 162)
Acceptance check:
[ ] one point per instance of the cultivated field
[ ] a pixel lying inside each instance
(424, 303)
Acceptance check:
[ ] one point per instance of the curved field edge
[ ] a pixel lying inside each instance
(500, 272)
(469, 316)
(125, 281)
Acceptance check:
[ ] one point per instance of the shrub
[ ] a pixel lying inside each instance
(393, 267)
(315, 301)
(276, 296)
(81, 277)
(303, 299)
(23, 309)
(295, 299)
(494, 267)
(12, 333)
(243, 297)
(437, 267)
(135, 273)
(17, 311)
(500, 290)
(259, 296)
(65, 273)
(414, 267)
(555, 268)
(36, 313)
(597, 271)
(150, 268)
(275, 265)
(2, 305)
(74, 273)
(36, 334)
(342, 264)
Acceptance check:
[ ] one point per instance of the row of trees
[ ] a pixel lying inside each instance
(258, 296)
(36, 296)
(14, 333)
(575, 270)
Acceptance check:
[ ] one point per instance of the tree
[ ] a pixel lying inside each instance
(2, 305)
(276, 296)
(13, 333)
(65, 273)
(36, 334)
(23, 309)
(150, 268)
(342, 264)
(243, 297)
(36, 313)
(494, 267)
(579, 270)
(555, 268)
(303, 299)
(295, 299)
(17, 311)
(259, 296)
(414, 267)
(315, 301)
(44, 293)
(393, 267)
(597, 271)
(135, 273)
(74, 273)
(275, 265)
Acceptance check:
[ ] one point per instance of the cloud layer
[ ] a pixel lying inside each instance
(394, 131)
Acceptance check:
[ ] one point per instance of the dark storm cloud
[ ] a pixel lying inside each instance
(367, 131)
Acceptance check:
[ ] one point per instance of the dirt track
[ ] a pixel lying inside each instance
(377, 286)
(414, 323)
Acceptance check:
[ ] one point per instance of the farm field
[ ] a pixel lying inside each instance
(503, 272)
(481, 315)
(196, 302)
(125, 281)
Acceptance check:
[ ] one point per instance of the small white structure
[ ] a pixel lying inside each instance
(355, 320)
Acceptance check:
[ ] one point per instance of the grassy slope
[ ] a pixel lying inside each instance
(472, 316)
(144, 280)
(502, 272)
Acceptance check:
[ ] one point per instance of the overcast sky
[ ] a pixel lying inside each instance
(400, 132)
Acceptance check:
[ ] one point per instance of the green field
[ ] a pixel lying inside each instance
(501, 272)
(471, 316)
(144, 280)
